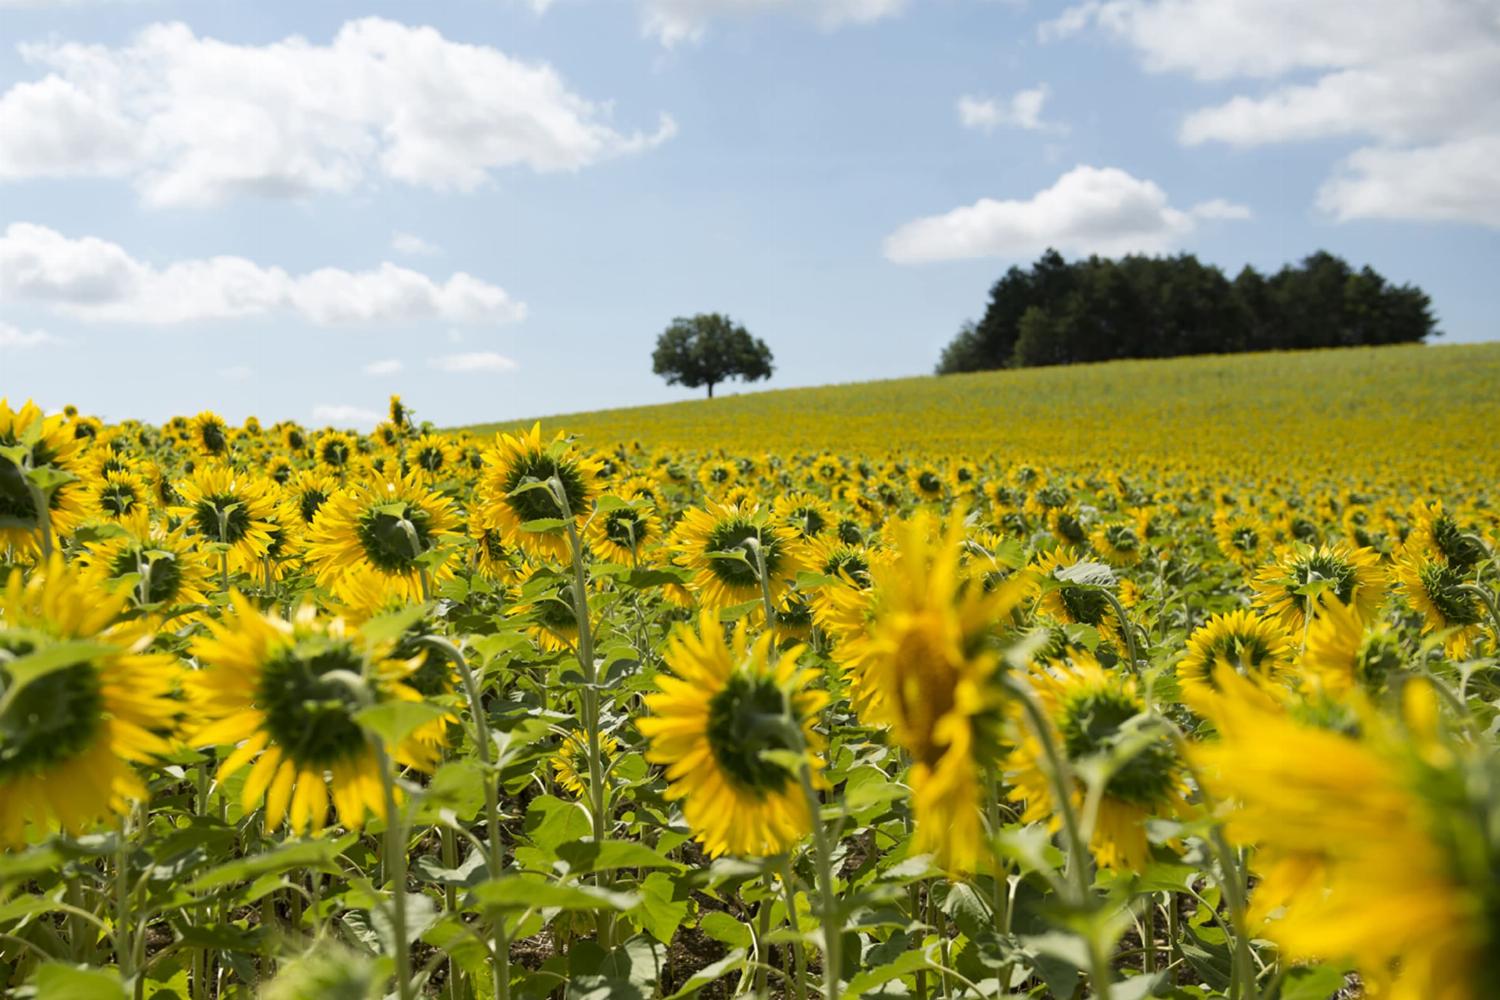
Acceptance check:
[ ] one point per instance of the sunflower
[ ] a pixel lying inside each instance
(307, 492)
(927, 483)
(51, 447)
(718, 475)
(547, 607)
(929, 672)
(621, 533)
(119, 496)
(1241, 537)
(1436, 535)
(492, 557)
(1289, 587)
(433, 456)
(221, 505)
(285, 694)
(1118, 543)
(570, 763)
(724, 580)
(164, 569)
(335, 450)
(510, 495)
(1092, 712)
(1344, 653)
(69, 736)
(1375, 843)
(209, 434)
(385, 525)
(1069, 603)
(806, 515)
(1438, 591)
(714, 716)
(1252, 646)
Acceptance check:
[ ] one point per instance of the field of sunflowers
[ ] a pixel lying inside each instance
(1151, 679)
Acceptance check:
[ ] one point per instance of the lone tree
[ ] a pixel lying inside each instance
(706, 350)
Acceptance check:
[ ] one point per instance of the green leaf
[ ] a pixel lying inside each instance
(732, 962)
(56, 656)
(394, 721)
(527, 892)
(1317, 982)
(660, 913)
(319, 854)
(552, 822)
(584, 856)
(543, 524)
(57, 981)
(390, 627)
(1086, 574)
(903, 964)
(722, 927)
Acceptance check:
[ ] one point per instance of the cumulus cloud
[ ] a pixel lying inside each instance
(344, 415)
(474, 361)
(170, 110)
(1088, 210)
(1219, 208)
(93, 279)
(413, 245)
(1022, 109)
(1416, 81)
(672, 22)
(389, 366)
(15, 338)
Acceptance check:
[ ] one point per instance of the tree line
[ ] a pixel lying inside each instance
(1057, 312)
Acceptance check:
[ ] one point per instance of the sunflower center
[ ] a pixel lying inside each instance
(556, 611)
(730, 536)
(212, 435)
(1321, 566)
(852, 564)
(1087, 605)
(538, 503)
(1122, 537)
(222, 517)
(393, 535)
(807, 521)
(1091, 725)
(625, 527)
(430, 459)
(51, 720)
(925, 685)
(1245, 539)
(1442, 584)
(309, 701)
(15, 498)
(1462, 551)
(163, 574)
(117, 499)
(929, 482)
(745, 718)
(335, 453)
(310, 503)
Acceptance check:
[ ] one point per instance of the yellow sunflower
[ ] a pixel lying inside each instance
(1436, 589)
(509, 496)
(48, 447)
(1091, 711)
(119, 496)
(284, 694)
(433, 457)
(806, 515)
(387, 526)
(621, 534)
(164, 570)
(570, 762)
(70, 735)
(1072, 604)
(1253, 647)
(723, 705)
(1374, 842)
(546, 605)
(335, 450)
(209, 434)
(1344, 653)
(232, 508)
(722, 581)
(1291, 586)
(929, 668)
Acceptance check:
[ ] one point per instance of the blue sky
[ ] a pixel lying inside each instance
(493, 206)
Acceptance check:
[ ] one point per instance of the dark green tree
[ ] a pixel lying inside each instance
(707, 349)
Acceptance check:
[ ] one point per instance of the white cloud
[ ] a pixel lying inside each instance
(674, 21)
(413, 245)
(93, 279)
(475, 361)
(1088, 210)
(1219, 208)
(389, 366)
(1022, 109)
(172, 111)
(15, 338)
(344, 415)
(237, 373)
(1417, 81)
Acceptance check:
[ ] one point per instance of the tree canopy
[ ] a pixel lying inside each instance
(707, 349)
(1098, 309)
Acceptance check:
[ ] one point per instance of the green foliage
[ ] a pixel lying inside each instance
(707, 349)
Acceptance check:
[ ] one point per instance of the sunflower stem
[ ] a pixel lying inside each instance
(1127, 630)
(828, 903)
(1488, 601)
(799, 958)
(395, 869)
(124, 948)
(495, 860)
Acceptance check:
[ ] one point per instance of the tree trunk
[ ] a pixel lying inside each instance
(710, 390)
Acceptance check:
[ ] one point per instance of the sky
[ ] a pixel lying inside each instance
(493, 207)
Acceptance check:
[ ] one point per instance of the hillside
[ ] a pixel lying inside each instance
(1430, 411)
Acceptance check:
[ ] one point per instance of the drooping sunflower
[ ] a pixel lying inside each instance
(492, 557)
(209, 434)
(1093, 712)
(806, 515)
(1118, 543)
(1344, 653)
(1069, 603)
(546, 605)
(723, 705)
(1351, 575)
(1253, 647)
(509, 494)
(570, 762)
(1375, 842)
(929, 670)
(119, 496)
(386, 526)
(69, 736)
(307, 491)
(1241, 537)
(1437, 590)
(284, 694)
(221, 505)
(1436, 535)
(721, 581)
(50, 446)
(623, 533)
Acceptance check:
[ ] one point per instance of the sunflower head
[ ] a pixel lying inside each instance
(1292, 587)
(715, 545)
(516, 489)
(389, 526)
(210, 434)
(1440, 592)
(1252, 646)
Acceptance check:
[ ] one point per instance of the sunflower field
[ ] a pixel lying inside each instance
(1004, 687)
